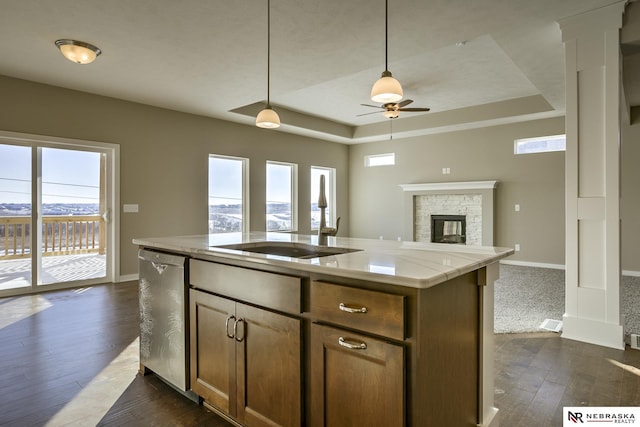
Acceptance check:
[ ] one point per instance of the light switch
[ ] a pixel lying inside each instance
(517, 207)
(517, 247)
(130, 208)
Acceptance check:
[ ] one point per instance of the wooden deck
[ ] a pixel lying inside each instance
(16, 273)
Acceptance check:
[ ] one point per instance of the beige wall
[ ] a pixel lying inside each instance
(164, 155)
(164, 169)
(535, 181)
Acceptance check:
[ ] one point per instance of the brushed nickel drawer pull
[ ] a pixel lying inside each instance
(346, 344)
(226, 326)
(352, 310)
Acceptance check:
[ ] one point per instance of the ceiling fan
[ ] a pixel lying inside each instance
(392, 109)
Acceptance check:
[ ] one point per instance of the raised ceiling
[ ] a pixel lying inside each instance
(473, 62)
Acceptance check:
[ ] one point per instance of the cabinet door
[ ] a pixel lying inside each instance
(268, 369)
(212, 351)
(355, 380)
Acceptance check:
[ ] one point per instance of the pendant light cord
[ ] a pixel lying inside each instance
(268, 51)
(386, 34)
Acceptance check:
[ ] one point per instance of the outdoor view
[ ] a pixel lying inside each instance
(226, 191)
(70, 197)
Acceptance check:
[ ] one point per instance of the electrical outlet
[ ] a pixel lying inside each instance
(446, 171)
(517, 247)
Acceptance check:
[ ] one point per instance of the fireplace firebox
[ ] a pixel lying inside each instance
(449, 229)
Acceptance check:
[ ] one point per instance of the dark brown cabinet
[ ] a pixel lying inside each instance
(355, 380)
(246, 361)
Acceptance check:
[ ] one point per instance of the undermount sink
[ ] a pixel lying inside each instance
(289, 249)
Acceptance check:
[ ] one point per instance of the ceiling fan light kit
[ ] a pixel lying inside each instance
(268, 118)
(77, 51)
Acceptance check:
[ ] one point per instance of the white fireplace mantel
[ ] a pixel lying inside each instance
(450, 186)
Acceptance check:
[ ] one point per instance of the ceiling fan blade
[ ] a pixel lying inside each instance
(405, 102)
(414, 109)
(366, 114)
(374, 106)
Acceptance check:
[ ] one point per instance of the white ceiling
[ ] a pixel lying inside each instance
(208, 57)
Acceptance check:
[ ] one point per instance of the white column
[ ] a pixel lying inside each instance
(593, 275)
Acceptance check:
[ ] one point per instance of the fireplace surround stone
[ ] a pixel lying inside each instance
(474, 199)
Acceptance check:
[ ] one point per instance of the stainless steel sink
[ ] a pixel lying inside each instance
(289, 249)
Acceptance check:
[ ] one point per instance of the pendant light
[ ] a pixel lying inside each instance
(77, 51)
(386, 89)
(268, 118)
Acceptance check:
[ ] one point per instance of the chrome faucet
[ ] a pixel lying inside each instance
(323, 230)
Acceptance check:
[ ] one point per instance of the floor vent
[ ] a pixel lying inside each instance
(635, 341)
(551, 325)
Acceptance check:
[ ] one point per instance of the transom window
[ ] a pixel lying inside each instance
(543, 144)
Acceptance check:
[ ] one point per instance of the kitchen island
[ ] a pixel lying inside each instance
(285, 332)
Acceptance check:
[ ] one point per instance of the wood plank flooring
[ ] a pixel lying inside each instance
(69, 358)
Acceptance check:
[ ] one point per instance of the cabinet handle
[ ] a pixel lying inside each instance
(226, 326)
(351, 309)
(357, 346)
(235, 329)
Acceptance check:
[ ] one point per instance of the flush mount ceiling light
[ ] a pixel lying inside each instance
(386, 89)
(77, 51)
(268, 118)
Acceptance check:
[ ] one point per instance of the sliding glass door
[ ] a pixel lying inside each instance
(54, 216)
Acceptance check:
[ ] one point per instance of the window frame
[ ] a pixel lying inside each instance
(369, 157)
(293, 176)
(330, 191)
(245, 227)
(518, 143)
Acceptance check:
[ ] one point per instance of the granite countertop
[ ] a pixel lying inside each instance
(412, 264)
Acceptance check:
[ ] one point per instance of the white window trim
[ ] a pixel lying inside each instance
(369, 161)
(245, 189)
(522, 141)
(294, 193)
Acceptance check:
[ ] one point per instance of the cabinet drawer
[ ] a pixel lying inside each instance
(276, 291)
(370, 311)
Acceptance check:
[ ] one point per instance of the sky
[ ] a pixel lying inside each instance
(68, 176)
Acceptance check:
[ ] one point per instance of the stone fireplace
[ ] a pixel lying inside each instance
(462, 212)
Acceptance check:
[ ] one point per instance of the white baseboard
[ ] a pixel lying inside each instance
(533, 264)
(631, 273)
(593, 331)
(128, 278)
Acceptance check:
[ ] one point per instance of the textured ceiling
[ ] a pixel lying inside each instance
(208, 57)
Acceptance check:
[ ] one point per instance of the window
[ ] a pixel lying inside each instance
(281, 191)
(542, 144)
(227, 194)
(387, 159)
(330, 193)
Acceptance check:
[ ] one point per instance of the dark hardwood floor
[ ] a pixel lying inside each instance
(70, 358)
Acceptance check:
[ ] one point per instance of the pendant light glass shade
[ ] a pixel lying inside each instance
(386, 89)
(268, 118)
(78, 52)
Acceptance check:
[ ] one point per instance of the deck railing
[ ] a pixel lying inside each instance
(61, 235)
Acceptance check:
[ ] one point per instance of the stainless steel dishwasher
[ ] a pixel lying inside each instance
(163, 317)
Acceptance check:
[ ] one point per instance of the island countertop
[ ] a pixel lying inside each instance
(412, 264)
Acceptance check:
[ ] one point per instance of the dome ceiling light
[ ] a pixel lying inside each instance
(77, 51)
